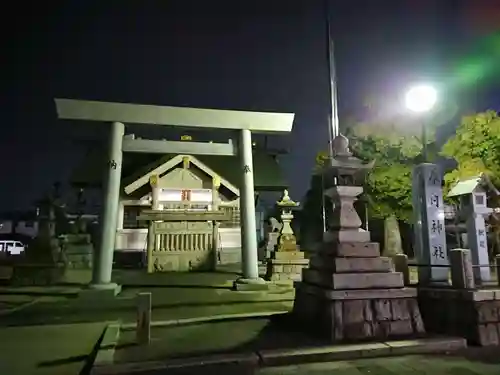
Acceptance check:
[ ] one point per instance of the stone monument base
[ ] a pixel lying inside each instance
(286, 266)
(473, 314)
(356, 315)
(351, 293)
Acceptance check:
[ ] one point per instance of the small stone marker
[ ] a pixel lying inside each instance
(401, 265)
(462, 275)
(143, 332)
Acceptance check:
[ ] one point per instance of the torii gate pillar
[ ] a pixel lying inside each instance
(249, 256)
(119, 113)
(103, 264)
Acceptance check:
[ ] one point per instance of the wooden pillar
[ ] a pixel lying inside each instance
(155, 202)
(215, 223)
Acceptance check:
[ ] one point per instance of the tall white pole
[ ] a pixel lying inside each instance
(103, 261)
(247, 203)
(333, 119)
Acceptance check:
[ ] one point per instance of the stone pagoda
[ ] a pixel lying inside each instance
(286, 261)
(349, 292)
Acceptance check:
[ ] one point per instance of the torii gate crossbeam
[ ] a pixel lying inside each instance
(120, 113)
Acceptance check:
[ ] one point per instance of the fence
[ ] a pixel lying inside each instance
(461, 270)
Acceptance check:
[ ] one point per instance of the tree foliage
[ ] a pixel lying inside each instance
(475, 147)
(389, 184)
(395, 149)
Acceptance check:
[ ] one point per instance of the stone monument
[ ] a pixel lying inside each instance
(429, 228)
(349, 292)
(286, 261)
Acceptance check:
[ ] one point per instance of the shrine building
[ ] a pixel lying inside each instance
(193, 184)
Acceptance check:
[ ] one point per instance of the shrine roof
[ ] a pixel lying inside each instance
(470, 185)
(268, 175)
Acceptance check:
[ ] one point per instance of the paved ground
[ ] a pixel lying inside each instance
(55, 349)
(407, 365)
(237, 336)
(461, 364)
(59, 348)
(174, 296)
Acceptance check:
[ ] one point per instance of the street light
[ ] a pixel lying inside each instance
(421, 99)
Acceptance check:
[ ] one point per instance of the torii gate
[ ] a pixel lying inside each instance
(119, 113)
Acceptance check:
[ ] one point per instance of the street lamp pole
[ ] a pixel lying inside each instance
(421, 99)
(424, 143)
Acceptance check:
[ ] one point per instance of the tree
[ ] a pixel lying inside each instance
(475, 147)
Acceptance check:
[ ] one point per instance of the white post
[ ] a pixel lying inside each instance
(430, 239)
(247, 203)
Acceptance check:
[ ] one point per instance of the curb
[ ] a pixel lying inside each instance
(106, 348)
(329, 353)
(280, 357)
(20, 307)
(193, 362)
(206, 319)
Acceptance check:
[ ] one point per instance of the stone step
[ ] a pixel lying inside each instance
(358, 294)
(353, 280)
(350, 265)
(350, 249)
(287, 255)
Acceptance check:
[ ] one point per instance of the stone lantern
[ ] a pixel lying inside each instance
(348, 174)
(287, 240)
(286, 261)
(349, 292)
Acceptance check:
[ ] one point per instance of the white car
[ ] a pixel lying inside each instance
(12, 247)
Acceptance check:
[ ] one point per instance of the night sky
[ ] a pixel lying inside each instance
(252, 55)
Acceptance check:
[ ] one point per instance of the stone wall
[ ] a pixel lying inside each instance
(473, 314)
(78, 251)
(228, 255)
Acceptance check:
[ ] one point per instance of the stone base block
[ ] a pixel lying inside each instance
(287, 255)
(350, 249)
(97, 292)
(359, 319)
(350, 265)
(358, 235)
(473, 314)
(286, 270)
(353, 280)
(331, 294)
(250, 285)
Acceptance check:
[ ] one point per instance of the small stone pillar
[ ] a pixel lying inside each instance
(401, 265)
(286, 261)
(462, 275)
(497, 268)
